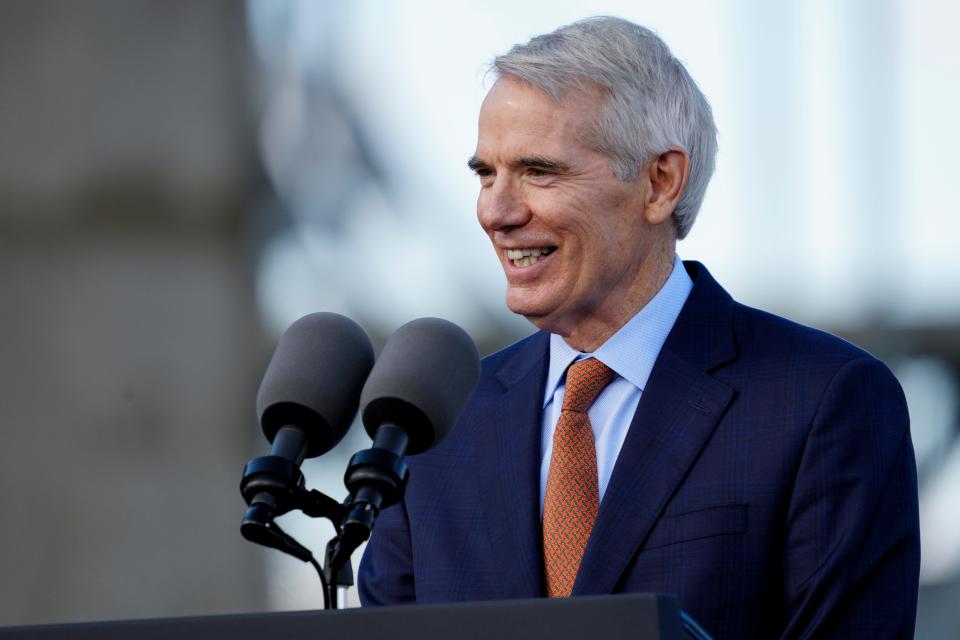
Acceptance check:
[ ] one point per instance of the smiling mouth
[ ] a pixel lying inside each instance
(527, 257)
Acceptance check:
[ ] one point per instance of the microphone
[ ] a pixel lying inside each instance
(307, 400)
(410, 402)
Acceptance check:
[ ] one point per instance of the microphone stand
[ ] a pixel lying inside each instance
(273, 485)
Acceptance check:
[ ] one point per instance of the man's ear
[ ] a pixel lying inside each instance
(668, 175)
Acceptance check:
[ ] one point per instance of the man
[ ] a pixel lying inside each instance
(654, 435)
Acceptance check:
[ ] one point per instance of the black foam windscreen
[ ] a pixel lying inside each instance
(314, 380)
(425, 374)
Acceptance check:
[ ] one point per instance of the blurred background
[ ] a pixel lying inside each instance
(180, 180)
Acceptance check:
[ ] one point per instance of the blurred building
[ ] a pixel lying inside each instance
(131, 342)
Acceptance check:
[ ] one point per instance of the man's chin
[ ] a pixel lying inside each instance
(524, 306)
(538, 315)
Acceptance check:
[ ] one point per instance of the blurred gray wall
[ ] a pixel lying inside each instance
(130, 345)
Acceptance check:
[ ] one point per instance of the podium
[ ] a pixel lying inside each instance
(614, 617)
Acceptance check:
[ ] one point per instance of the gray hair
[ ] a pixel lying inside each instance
(652, 104)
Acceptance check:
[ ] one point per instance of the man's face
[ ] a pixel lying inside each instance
(570, 235)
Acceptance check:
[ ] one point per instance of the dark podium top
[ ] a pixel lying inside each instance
(633, 616)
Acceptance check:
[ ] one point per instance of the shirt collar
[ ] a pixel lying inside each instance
(632, 351)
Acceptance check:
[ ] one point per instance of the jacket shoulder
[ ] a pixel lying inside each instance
(763, 333)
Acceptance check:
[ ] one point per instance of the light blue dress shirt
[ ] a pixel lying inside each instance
(631, 353)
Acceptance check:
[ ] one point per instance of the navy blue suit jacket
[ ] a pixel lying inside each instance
(767, 480)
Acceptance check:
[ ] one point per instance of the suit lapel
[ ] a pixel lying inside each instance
(678, 411)
(508, 455)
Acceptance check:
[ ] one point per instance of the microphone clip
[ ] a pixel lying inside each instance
(273, 486)
(273, 482)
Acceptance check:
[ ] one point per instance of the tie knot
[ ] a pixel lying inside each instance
(585, 380)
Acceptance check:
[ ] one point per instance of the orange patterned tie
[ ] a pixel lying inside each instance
(571, 500)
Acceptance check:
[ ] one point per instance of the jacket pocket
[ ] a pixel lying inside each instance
(695, 525)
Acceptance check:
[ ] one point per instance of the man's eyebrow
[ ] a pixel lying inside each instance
(540, 162)
(529, 162)
(475, 163)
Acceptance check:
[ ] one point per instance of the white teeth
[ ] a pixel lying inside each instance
(526, 261)
(517, 254)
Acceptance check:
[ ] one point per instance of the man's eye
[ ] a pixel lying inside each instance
(486, 177)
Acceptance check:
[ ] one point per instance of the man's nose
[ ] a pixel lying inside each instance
(501, 206)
